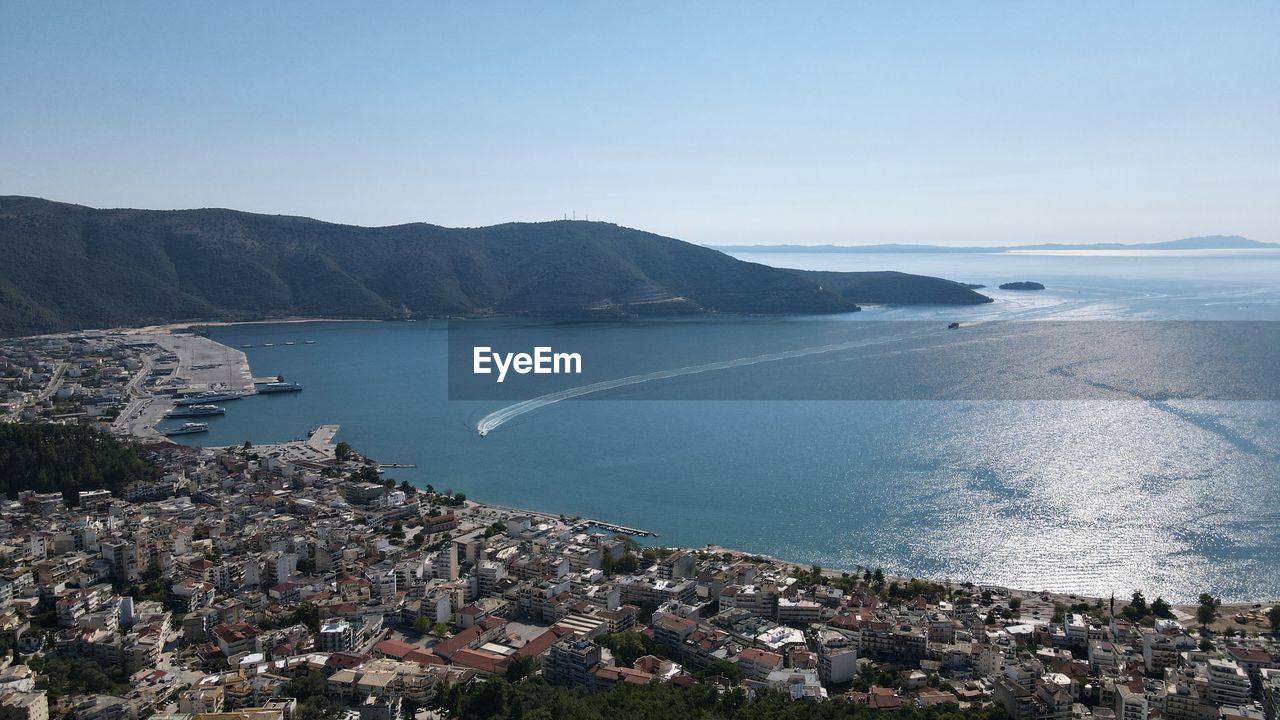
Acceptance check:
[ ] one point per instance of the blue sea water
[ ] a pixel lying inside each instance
(1172, 496)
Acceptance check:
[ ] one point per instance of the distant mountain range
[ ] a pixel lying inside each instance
(71, 267)
(1207, 242)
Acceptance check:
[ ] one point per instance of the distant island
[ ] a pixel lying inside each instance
(1023, 285)
(71, 267)
(1206, 242)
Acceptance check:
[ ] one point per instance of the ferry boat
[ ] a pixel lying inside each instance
(186, 429)
(195, 411)
(279, 387)
(205, 398)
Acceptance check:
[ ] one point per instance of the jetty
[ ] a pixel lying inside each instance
(615, 528)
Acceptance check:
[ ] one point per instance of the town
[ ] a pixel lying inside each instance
(297, 581)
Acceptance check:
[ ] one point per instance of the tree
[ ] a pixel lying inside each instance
(306, 614)
(1273, 616)
(878, 576)
(520, 668)
(343, 452)
(722, 668)
(1139, 606)
(627, 646)
(422, 625)
(1208, 610)
(1160, 608)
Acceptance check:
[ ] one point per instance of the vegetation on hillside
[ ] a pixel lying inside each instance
(65, 458)
(69, 266)
(536, 700)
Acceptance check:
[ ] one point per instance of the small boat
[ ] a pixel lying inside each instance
(246, 347)
(308, 342)
(290, 343)
(953, 326)
(186, 429)
(483, 433)
(268, 344)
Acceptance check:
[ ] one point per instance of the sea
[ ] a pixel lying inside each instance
(1070, 460)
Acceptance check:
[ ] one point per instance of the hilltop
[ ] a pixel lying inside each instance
(70, 266)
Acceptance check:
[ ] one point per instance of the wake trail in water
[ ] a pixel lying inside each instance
(502, 416)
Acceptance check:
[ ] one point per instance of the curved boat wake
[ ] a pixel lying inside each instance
(502, 416)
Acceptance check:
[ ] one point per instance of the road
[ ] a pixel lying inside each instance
(55, 382)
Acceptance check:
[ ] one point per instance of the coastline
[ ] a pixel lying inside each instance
(285, 447)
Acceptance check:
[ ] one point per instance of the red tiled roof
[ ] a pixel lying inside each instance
(422, 657)
(478, 659)
(395, 648)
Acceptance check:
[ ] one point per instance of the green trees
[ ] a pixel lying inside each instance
(67, 459)
(1273, 617)
(343, 452)
(306, 614)
(626, 646)
(311, 692)
(535, 699)
(1160, 608)
(521, 668)
(68, 676)
(722, 668)
(1207, 613)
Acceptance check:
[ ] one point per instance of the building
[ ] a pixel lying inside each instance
(1228, 683)
(571, 661)
(32, 705)
(336, 635)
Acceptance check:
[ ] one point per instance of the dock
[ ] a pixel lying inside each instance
(322, 438)
(616, 528)
(391, 466)
(579, 523)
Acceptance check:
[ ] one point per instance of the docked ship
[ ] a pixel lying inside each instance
(279, 387)
(205, 398)
(195, 411)
(186, 429)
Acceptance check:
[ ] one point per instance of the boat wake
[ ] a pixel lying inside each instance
(502, 416)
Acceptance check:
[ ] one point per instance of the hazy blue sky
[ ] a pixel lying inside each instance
(844, 122)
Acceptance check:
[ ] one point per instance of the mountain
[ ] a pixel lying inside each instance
(70, 266)
(890, 288)
(1206, 242)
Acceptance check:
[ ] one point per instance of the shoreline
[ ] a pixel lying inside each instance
(1068, 597)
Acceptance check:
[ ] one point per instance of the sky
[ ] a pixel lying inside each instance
(718, 123)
